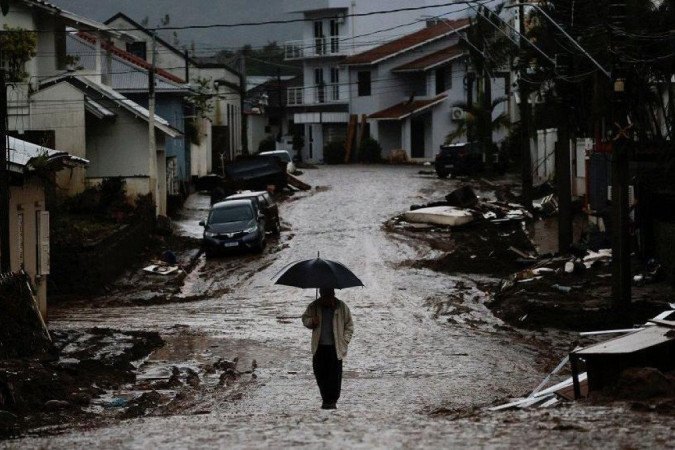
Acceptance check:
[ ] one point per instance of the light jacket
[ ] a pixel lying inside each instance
(343, 327)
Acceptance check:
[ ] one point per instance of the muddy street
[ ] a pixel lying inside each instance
(415, 374)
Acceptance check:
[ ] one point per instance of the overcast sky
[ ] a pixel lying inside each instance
(198, 12)
(207, 12)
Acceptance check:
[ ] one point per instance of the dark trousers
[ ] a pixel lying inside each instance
(328, 373)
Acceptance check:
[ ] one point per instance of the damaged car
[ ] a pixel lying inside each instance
(232, 225)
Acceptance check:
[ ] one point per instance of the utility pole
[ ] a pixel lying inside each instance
(242, 97)
(152, 142)
(621, 277)
(5, 263)
(525, 115)
(563, 166)
(280, 109)
(563, 179)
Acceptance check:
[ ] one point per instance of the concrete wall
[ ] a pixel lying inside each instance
(170, 108)
(61, 108)
(117, 147)
(200, 154)
(24, 205)
(256, 131)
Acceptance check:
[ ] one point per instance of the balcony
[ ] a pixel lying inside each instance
(301, 6)
(317, 48)
(315, 95)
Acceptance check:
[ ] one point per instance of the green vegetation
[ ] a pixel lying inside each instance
(370, 151)
(18, 47)
(334, 152)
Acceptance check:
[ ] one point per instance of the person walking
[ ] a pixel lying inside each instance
(331, 323)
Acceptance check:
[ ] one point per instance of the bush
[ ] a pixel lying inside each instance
(267, 145)
(334, 152)
(370, 151)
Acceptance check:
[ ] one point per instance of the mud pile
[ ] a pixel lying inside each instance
(22, 334)
(579, 301)
(646, 388)
(55, 390)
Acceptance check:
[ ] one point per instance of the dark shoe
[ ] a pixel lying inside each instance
(325, 406)
(331, 406)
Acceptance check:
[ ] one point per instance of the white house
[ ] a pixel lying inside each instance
(332, 31)
(55, 119)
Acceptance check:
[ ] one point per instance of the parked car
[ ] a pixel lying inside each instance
(266, 205)
(283, 156)
(234, 224)
(465, 158)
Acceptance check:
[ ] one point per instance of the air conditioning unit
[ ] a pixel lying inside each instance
(457, 113)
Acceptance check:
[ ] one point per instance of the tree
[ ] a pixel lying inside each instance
(18, 47)
(489, 52)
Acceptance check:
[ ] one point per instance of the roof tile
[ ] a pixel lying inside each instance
(406, 42)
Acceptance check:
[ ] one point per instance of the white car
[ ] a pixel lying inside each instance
(282, 155)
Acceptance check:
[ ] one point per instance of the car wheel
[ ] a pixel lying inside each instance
(260, 246)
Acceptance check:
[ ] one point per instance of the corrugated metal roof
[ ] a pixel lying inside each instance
(97, 109)
(124, 75)
(407, 42)
(86, 84)
(432, 60)
(75, 20)
(22, 152)
(402, 110)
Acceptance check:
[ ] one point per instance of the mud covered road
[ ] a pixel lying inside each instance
(417, 373)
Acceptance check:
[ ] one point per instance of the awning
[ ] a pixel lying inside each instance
(433, 60)
(407, 109)
(21, 153)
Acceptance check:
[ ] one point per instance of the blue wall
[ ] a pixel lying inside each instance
(170, 107)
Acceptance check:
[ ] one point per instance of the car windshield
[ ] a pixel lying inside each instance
(234, 213)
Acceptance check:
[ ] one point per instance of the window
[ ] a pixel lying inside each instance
(320, 86)
(364, 82)
(335, 84)
(138, 48)
(319, 38)
(334, 36)
(441, 75)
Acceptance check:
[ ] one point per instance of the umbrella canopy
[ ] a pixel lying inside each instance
(318, 273)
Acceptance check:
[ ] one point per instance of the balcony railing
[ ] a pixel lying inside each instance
(316, 48)
(323, 94)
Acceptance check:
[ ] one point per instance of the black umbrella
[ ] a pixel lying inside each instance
(318, 273)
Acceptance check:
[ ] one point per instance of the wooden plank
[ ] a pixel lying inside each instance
(598, 333)
(298, 183)
(663, 323)
(630, 343)
(351, 135)
(362, 130)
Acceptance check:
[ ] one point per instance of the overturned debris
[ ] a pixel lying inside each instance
(653, 346)
(440, 215)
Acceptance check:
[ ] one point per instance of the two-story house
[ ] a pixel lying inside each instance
(332, 31)
(408, 87)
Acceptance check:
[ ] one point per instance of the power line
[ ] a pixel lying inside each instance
(278, 21)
